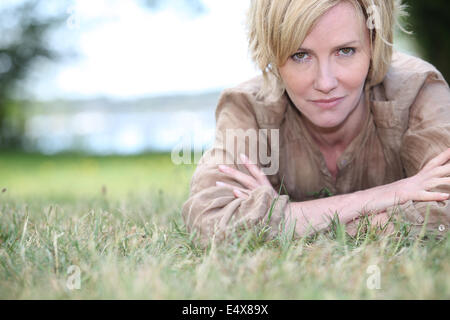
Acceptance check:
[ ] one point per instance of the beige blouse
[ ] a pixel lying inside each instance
(408, 124)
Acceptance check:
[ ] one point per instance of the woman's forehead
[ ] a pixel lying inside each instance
(339, 25)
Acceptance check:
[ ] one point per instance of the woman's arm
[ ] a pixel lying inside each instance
(213, 212)
(315, 215)
(428, 134)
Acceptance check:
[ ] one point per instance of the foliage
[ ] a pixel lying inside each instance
(429, 22)
(25, 29)
(23, 43)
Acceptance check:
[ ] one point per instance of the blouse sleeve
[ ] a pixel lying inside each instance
(427, 136)
(213, 212)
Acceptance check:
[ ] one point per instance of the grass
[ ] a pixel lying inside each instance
(118, 220)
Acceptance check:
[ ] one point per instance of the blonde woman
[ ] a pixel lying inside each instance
(356, 128)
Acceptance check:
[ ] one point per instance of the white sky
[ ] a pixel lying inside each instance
(136, 52)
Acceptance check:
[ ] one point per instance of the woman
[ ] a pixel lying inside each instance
(368, 126)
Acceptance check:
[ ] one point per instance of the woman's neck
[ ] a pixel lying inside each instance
(339, 137)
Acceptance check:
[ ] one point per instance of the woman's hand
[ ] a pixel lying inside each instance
(436, 172)
(250, 182)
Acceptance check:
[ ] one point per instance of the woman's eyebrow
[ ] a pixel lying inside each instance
(346, 44)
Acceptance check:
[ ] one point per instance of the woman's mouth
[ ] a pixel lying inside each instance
(328, 103)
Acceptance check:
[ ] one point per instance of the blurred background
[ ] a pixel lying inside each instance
(91, 88)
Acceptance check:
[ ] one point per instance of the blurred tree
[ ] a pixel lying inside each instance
(429, 20)
(23, 42)
(24, 29)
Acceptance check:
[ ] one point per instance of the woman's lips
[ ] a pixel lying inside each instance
(328, 103)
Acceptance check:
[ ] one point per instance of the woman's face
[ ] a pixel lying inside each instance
(333, 62)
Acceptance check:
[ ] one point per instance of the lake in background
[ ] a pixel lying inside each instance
(102, 126)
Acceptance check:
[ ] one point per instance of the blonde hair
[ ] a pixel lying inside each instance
(277, 28)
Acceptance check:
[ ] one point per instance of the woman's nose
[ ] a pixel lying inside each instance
(325, 79)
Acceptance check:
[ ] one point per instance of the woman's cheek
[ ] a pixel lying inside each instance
(353, 75)
(299, 83)
(360, 69)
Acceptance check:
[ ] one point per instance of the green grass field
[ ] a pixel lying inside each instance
(118, 221)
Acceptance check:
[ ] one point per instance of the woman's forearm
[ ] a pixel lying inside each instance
(315, 215)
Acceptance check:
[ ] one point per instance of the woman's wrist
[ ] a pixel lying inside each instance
(382, 197)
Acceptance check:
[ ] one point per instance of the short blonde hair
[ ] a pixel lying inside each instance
(277, 28)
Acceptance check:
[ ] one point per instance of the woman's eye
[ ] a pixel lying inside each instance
(346, 51)
(300, 56)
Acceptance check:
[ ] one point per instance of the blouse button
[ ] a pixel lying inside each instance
(441, 227)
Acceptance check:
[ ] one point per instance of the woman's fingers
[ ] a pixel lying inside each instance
(445, 180)
(437, 182)
(230, 186)
(255, 171)
(442, 171)
(435, 173)
(432, 196)
(239, 194)
(439, 159)
(244, 179)
(255, 179)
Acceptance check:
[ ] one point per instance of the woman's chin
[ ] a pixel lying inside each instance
(327, 124)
